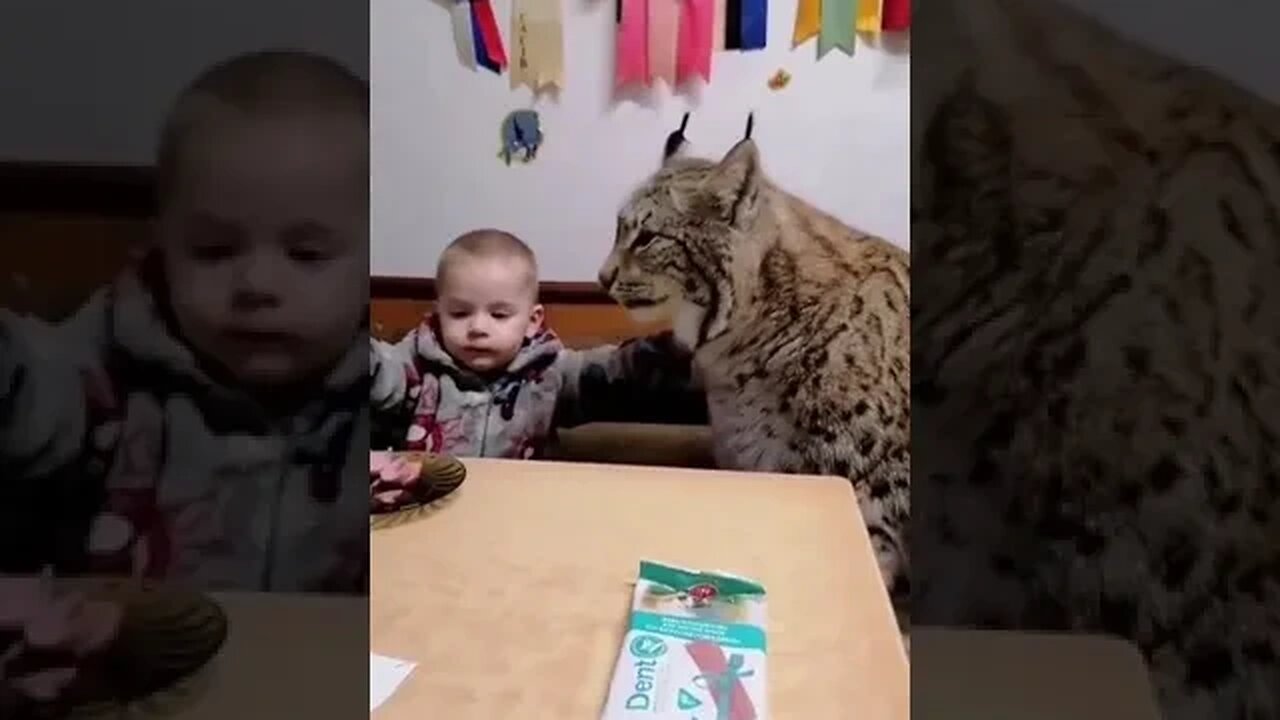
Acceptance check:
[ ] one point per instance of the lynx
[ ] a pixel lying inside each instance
(798, 323)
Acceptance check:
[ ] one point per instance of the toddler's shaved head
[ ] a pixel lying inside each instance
(490, 244)
(254, 86)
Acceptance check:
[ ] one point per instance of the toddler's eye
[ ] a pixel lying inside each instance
(307, 255)
(211, 239)
(212, 252)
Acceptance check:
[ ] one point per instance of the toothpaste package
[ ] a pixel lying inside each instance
(695, 649)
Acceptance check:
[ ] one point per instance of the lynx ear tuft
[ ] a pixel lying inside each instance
(676, 141)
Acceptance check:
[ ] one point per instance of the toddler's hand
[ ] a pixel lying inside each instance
(47, 640)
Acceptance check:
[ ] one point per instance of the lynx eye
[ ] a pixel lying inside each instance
(643, 238)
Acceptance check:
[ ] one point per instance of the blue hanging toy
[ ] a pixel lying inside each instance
(521, 136)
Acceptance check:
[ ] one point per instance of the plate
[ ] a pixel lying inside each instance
(441, 476)
(167, 636)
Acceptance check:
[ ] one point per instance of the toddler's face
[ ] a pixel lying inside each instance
(486, 310)
(265, 244)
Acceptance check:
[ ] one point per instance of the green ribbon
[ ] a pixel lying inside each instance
(838, 26)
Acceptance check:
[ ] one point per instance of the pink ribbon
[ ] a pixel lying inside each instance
(693, 58)
(664, 22)
(632, 61)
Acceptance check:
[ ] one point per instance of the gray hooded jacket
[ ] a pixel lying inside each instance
(424, 400)
(119, 454)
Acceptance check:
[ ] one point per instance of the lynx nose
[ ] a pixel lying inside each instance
(607, 278)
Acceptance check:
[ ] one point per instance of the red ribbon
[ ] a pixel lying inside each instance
(488, 26)
(693, 56)
(632, 50)
(895, 15)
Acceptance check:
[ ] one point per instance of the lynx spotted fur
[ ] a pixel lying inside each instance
(799, 326)
(1097, 349)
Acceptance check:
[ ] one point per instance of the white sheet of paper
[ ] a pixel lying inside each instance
(385, 675)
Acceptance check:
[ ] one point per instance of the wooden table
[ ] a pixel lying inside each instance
(536, 560)
(513, 596)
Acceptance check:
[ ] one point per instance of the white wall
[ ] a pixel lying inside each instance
(837, 135)
(88, 82)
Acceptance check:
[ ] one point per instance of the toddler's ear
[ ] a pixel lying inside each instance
(536, 315)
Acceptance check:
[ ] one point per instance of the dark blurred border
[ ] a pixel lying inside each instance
(117, 191)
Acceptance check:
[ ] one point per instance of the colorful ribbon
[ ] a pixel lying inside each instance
(837, 26)
(477, 42)
(693, 55)
(631, 61)
(538, 34)
(488, 39)
(868, 16)
(755, 24)
(463, 32)
(733, 24)
(808, 21)
(664, 24)
(895, 15)
(717, 26)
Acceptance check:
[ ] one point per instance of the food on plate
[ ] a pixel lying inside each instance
(392, 479)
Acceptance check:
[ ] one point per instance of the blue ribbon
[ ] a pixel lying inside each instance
(755, 22)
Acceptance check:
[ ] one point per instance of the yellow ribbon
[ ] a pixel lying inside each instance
(808, 21)
(538, 44)
(868, 16)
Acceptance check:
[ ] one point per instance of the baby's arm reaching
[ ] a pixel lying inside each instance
(388, 365)
(391, 370)
(643, 380)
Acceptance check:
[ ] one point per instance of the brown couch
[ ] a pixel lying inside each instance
(635, 444)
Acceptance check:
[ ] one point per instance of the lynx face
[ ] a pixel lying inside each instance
(675, 235)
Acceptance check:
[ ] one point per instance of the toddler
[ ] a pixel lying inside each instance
(484, 376)
(204, 419)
